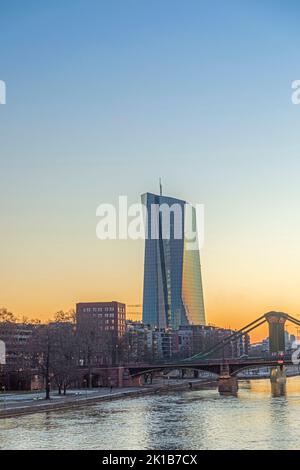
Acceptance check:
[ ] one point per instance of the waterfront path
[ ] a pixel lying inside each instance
(20, 403)
(13, 404)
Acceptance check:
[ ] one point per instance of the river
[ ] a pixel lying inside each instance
(199, 419)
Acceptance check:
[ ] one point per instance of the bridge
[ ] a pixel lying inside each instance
(225, 369)
(218, 367)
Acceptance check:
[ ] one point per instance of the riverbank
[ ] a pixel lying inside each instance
(10, 408)
(264, 376)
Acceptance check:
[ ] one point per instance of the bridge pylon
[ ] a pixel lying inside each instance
(276, 322)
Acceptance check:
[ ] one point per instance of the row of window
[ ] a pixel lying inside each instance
(108, 315)
(112, 328)
(111, 321)
(103, 309)
(103, 315)
(98, 309)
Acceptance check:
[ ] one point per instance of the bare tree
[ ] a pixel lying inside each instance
(65, 355)
(96, 345)
(40, 348)
(65, 317)
(13, 334)
(54, 351)
(6, 316)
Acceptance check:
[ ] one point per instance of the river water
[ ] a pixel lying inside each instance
(201, 419)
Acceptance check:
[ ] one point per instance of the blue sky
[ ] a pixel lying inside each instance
(103, 97)
(126, 82)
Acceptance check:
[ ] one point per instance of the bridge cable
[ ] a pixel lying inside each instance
(236, 335)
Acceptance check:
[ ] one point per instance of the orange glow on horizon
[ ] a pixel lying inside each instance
(236, 291)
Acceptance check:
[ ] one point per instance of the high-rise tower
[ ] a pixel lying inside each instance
(173, 294)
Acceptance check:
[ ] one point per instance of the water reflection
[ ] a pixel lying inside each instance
(263, 415)
(278, 389)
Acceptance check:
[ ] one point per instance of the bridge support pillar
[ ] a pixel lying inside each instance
(227, 385)
(278, 381)
(278, 375)
(115, 377)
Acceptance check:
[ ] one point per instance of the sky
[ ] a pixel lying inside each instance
(103, 98)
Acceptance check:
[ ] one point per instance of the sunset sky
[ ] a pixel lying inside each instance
(103, 97)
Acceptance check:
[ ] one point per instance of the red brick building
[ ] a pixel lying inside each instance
(108, 317)
(100, 328)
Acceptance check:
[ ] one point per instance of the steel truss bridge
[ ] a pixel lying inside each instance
(131, 374)
(202, 361)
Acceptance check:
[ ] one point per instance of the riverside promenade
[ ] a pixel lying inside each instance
(22, 403)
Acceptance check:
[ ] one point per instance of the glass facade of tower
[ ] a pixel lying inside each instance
(173, 294)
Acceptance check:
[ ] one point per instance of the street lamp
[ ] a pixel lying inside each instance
(4, 401)
(117, 354)
(85, 386)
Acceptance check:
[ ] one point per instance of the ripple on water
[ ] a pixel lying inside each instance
(197, 419)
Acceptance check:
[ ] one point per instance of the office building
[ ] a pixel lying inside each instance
(173, 294)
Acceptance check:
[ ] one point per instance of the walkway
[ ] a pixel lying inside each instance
(19, 403)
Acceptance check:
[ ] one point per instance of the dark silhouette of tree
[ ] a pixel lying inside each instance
(6, 316)
(40, 348)
(54, 352)
(96, 346)
(66, 350)
(14, 335)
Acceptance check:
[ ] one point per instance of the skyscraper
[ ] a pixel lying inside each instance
(173, 294)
